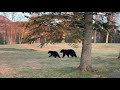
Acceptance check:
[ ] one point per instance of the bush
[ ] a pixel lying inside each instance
(1, 41)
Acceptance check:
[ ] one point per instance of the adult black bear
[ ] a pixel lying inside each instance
(54, 54)
(68, 52)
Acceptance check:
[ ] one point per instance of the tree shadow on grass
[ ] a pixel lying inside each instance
(106, 65)
(74, 72)
(66, 69)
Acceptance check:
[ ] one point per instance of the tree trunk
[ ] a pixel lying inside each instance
(6, 32)
(20, 38)
(99, 37)
(4, 37)
(85, 63)
(107, 37)
(14, 36)
(95, 36)
(119, 54)
(10, 35)
(13, 33)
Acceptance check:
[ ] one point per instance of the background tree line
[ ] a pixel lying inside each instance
(13, 32)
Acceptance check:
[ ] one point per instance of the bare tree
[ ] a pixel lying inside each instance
(13, 29)
(5, 27)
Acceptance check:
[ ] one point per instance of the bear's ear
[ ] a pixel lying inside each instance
(61, 51)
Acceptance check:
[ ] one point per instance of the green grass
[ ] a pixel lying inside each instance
(29, 63)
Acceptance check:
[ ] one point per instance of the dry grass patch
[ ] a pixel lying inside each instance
(7, 70)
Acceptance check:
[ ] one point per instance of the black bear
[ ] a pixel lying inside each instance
(54, 54)
(68, 52)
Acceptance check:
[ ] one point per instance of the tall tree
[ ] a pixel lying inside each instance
(12, 29)
(109, 26)
(85, 63)
(96, 27)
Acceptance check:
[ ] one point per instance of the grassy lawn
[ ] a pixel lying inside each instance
(17, 61)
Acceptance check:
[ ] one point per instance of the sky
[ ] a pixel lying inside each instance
(19, 16)
(118, 19)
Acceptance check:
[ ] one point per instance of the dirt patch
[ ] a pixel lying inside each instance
(28, 46)
(31, 64)
(46, 47)
(6, 70)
